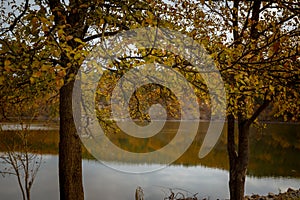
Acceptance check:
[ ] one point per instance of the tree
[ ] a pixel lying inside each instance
(254, 44)
(43, 44)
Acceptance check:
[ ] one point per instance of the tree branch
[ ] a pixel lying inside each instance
(258, 111)
(12, 26)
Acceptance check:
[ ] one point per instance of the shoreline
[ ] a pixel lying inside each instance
(290, 194)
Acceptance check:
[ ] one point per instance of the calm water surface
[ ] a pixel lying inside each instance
(274, 166)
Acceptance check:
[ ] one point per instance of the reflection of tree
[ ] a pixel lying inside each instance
(21, 160)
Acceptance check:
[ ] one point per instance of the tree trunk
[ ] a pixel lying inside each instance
(70, 156)
(238, 161)
(237, 181)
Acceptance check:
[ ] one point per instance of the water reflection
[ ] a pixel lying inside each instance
(274, 165)
(20, 159)
(101, 181)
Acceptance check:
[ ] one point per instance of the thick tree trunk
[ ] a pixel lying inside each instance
(70, 168)
(238, 161)
(232, 155)
(237, 182)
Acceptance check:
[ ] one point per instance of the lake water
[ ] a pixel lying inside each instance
(274, 166)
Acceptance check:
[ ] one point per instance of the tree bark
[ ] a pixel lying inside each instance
(70, 152)
(231, 148)
(238, 161)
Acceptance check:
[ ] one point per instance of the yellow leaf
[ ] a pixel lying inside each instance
(59, 82)
(248, 56)
(35, 64)
(84, 6)
(202, 14)
(31, 80)
(2, 78)
(60, 33)
(7, 68)
(52, 17)
(45, 68)
(34, 20)
(7, 62)
(69, 37)
(7, 65)
(36, 74)
(78, 40)
(45, 28)
(77, 56)
(102, 21)
(56, 53)
(44, 20)
(61, 73)
(69, 65)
